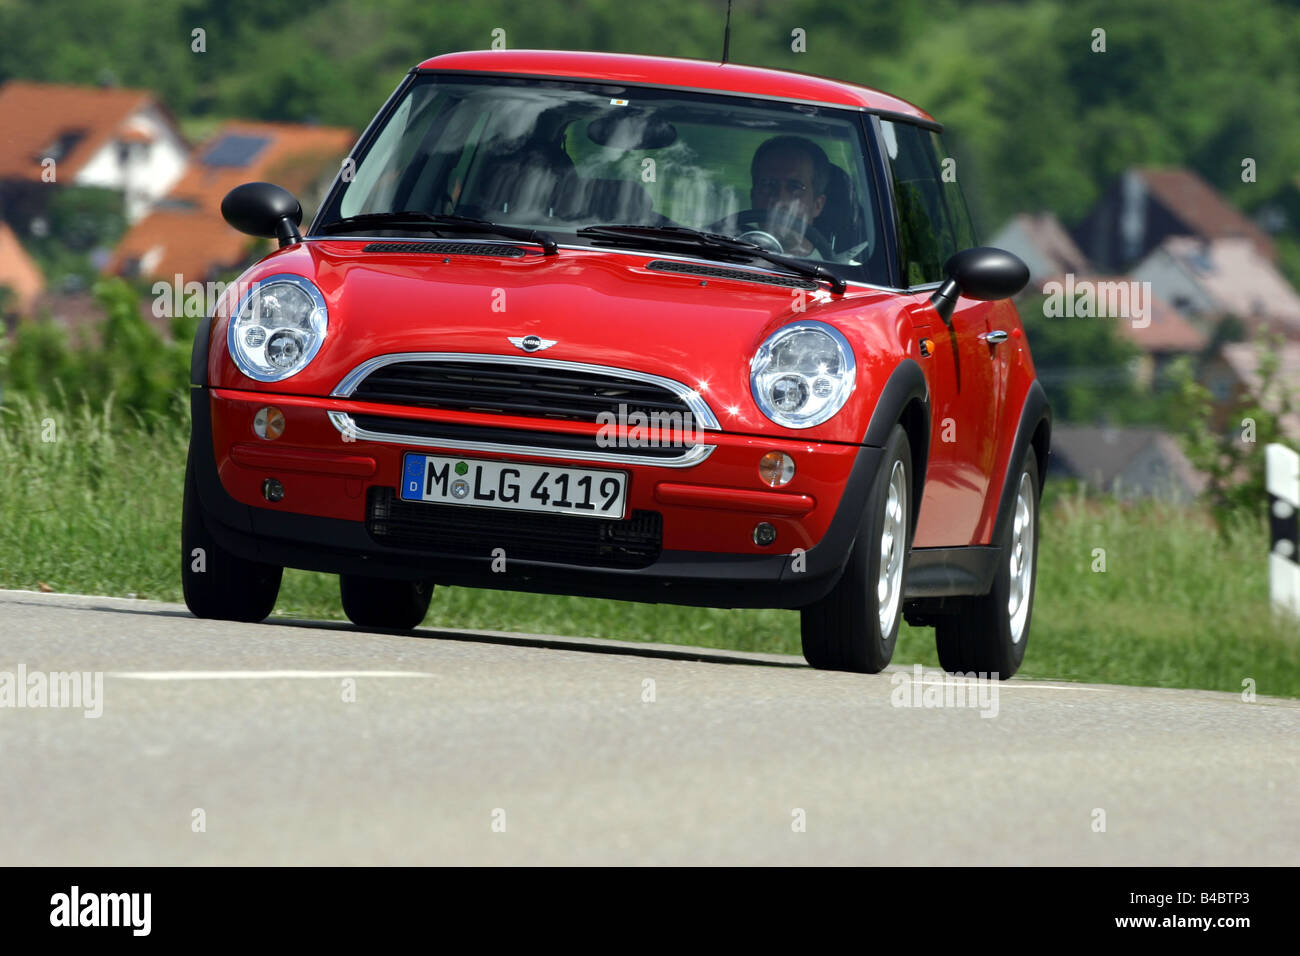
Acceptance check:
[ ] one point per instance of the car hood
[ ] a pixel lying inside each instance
(601, 307)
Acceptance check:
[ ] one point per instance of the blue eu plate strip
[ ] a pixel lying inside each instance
(412, 477)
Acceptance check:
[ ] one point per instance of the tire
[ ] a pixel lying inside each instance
(381, 602)
(986, 636)
(844, 631)
(216, 583)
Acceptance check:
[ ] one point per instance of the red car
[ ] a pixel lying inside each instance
(630, 327)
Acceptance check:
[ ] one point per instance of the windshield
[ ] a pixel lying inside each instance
(561, 156)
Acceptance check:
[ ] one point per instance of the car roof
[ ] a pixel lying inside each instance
(678, 72)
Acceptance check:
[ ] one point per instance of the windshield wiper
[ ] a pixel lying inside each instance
(414, 219)
(712, 241)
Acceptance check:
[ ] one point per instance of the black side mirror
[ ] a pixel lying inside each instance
(981, 273)
(264, 209)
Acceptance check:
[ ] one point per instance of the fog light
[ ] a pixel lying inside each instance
(272, 490)
(776, 468)
(764, 534)
(268, 423)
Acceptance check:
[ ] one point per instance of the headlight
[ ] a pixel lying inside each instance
(803, 374)
(278, 328)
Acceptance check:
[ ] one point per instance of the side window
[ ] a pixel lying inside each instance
(926, 232)
(956, 199)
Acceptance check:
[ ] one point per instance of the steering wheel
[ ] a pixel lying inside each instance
(760, 238)
(753, 221)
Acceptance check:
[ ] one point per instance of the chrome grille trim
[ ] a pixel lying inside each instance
(350, 430)
(700, 410)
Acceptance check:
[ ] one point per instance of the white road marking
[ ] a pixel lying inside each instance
(1003, 684)
(258, 675)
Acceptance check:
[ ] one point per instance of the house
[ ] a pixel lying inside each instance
(1166, 336)
(20, 274)
(1144, 207)
(1044, 245)
(185, 234)
(1126, 462)
(1158, 332)
(1208, 280)
(1232, 376)
(117, 139)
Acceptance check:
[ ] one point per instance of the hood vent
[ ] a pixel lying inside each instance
(446, 248)
(715, 272)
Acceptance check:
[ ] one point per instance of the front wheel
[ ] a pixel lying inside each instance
(216, 583)
(988, 634)
(855, 626)
(382, 602)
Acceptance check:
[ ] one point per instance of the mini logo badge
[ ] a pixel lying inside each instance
(530, 343)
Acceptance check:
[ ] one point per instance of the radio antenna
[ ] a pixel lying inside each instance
(726, 35)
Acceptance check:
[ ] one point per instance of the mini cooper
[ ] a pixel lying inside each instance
(628, 327)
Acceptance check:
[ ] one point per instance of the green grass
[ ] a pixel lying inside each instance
(97, 511)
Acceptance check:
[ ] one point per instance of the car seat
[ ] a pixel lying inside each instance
(521, 186)
(840, 219)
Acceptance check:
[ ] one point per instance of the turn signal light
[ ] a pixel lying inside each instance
(268, 423)
(776, 469)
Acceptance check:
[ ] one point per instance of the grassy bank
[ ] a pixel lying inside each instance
(97, 510)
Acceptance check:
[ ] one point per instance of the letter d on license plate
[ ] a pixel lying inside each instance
(514, 486)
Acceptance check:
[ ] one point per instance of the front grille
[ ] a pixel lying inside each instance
(529, 390)
(714, 272)
(445, 248)
(466, 531)
(453, 435)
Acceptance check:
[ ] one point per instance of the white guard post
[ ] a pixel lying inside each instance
(1283, 483)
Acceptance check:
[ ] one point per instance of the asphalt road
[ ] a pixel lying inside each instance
(473, 747)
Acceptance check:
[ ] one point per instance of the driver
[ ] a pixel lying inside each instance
(789, 176)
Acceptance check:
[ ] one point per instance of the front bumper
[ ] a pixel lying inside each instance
(709, 510)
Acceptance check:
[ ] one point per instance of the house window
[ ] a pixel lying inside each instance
(63, 144)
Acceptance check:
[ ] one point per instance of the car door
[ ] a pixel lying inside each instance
(933, 224)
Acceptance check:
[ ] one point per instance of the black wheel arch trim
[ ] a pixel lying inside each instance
(1035, 414)
(905, 387)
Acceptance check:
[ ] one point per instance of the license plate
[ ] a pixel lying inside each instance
(514, 486)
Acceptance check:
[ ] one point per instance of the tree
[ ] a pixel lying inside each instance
(1232, 459)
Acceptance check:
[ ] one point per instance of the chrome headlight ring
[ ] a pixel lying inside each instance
(803, 374)
(278, 327)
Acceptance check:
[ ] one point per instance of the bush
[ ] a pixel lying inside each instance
(1232, 458)
(142, 372)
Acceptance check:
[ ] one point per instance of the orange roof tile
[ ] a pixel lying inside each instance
(195, 244)
(1169, 330)
(293, 154)
(18, 271)
(186, 235)
(1202, 209)
(34, 117)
